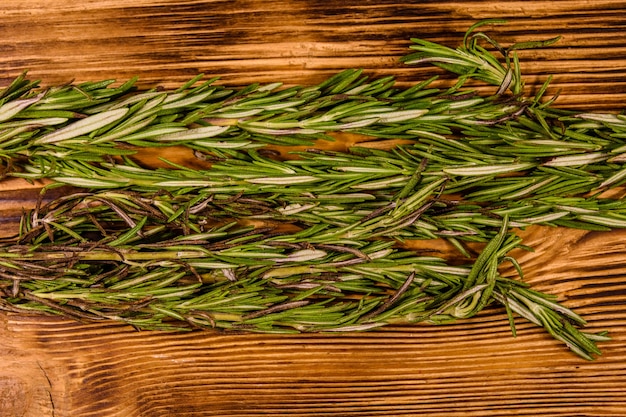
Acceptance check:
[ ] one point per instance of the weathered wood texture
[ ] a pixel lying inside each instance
(55, 367)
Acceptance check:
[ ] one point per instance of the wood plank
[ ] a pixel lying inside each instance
(167, 43)
(54, 367)
(471, 368)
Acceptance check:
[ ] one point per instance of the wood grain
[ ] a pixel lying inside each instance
(302, 42)
(54, 367)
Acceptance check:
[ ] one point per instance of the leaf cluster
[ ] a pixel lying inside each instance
(306, 239)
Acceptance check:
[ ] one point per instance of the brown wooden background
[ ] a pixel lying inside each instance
(54, 367)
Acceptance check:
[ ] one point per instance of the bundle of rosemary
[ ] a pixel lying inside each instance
(271, 230)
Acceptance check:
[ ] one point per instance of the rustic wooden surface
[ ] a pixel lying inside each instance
(55, 367)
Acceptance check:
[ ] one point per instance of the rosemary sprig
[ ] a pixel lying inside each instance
(505, 161)
(120, 256)
(344, 189)
(91, 120)
(471, 60)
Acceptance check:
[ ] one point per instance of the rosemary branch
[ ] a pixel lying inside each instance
(90, 121)
(121, 256)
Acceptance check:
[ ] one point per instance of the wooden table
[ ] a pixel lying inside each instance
(55, 367)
